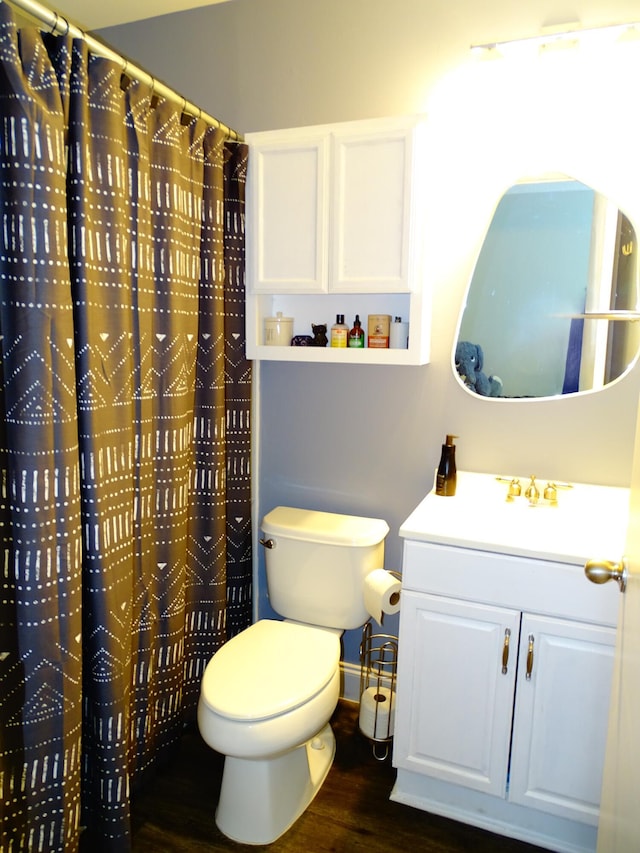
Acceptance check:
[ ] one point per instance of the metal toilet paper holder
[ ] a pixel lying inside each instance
(378, 667)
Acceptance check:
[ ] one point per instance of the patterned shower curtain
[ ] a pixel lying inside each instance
(124, 436)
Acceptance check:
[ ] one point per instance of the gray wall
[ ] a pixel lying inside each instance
(367, 439)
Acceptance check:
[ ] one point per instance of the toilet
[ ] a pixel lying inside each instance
(267, 695)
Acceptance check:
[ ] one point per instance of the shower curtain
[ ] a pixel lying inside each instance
(124, 436)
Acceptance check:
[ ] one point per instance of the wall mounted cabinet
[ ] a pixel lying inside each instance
(335, 226)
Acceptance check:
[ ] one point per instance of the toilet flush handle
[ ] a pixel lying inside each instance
(268, 543)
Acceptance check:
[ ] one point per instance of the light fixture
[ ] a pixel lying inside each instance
(565, 38)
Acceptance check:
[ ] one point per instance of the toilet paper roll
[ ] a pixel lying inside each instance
(381, 594)
(377, 712)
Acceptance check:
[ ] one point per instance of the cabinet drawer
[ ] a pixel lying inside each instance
(522, 583)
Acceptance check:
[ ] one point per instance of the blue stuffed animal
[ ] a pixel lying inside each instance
(469, 362)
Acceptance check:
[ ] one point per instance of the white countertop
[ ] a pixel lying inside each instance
(589, 522)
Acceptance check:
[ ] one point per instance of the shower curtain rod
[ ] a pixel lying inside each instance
(58, 25)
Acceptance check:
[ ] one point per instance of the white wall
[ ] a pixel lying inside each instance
(366, 440)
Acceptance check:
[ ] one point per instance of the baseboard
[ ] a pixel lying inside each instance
(350, 674)
(350, 681)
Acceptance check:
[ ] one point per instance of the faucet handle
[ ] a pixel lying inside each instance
(515, 489)
(551, 493)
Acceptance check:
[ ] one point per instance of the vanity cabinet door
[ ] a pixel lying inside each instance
(561, 716)
(455, 696)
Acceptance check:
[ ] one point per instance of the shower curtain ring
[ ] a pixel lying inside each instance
(125, 80)
(154, 99)
(66, 32)
(55, 24)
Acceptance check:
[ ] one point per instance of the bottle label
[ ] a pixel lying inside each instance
(445, 485)
(357, 341)
(378, 342)
(339, 337)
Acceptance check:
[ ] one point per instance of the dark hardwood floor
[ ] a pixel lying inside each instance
(352, 811)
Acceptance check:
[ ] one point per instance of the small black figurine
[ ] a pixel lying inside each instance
(319, 335)
(319, 338)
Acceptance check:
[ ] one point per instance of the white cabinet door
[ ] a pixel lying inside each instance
(455, 696)
(372, 209)
(560, 720)
(287, 213)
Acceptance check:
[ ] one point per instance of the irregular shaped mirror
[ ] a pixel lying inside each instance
(552, 307)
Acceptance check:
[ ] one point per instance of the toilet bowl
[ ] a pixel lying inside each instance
(267, 710)
(268, 693)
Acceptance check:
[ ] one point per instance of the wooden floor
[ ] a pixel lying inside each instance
(352, 811)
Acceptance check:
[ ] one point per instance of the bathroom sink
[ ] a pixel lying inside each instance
(588, 521)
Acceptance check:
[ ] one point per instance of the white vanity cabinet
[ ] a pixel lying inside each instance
(335, 226)
(504, 676)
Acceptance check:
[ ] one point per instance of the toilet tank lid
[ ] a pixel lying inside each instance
(326, 527)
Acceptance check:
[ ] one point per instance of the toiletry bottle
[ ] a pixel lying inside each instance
(446, 475)
(398, 334)
(339, 332)
(356, 335)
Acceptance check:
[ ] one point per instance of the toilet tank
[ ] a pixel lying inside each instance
(316, 563)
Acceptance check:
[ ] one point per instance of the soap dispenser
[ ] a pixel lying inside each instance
(446, 474)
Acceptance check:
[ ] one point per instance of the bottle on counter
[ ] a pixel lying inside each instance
(356, 335)
(446, 475)
(339, 332)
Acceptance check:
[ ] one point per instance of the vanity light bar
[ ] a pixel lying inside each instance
(566, 37)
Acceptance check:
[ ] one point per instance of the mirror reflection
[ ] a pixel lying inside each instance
(551, 307)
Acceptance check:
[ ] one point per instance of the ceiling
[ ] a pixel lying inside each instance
(95, 14)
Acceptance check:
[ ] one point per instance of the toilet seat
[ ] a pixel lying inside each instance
(268, 669)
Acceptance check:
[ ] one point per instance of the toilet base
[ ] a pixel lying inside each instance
(260, 799)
